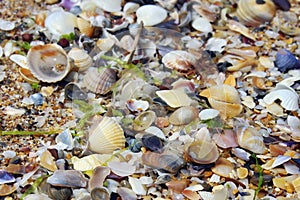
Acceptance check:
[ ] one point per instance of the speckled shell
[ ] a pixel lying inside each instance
(249, 138)
(99, 81)
(106, 136)
(48, 63)
(81, 59)
(252, 13)
(202, 152)
(179, 60)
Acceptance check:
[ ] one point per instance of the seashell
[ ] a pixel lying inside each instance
(285, 60)
(100, 80)
(137, 105)
(179, 60)
(286, 183)
(190, 194)
(126, 43)
(202, 152)
(6, 25)
(27, 75)
(99, 175)
(130, 8)
(66, 138)
(73, 92)
(249, 138)
(5, 177)
(187, 85)
(216, 44)
(153, 130)
(106, 136)
(242, 172)
(47, 161)
(226, 139)
(283, 4)
(240, 28)
(163, 161)
(144, 120)
(241, 153)
(1, 51)
(151, 15)
(152, 142)
(122, 169)
(202, 24)
(67, 178)
(108, 6)
(9, 48)
(275, 162)
(126, 193)
(220, 192)
(6, 189)
(183, 115)
(85, 27)
(177, 185)
(69, 4)
(60, 22)
(225, 99)
(287, 95)
(81, 59)
(59, 193)
(105, 44)
(100, 193)
(208, 114)
(255, 13)
(223, 167)
(174, 98)
(137, 186)
(19, 60)
(206, 195)
(48, 63)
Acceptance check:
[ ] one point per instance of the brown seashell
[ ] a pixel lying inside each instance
(100, 81)
(183, 115)
(40, 18)
(67, 178)
(191, 194)
(179, 60)
(85, 27)
(202, 152)
(7, 189)
(48, 63)
(223, 167)
(165, 161)
(276, 149)
(253, 13)
(177, 185)
(27, 75)
(99, 175)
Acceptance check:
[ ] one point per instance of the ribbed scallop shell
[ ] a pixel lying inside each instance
(252, 13)
(179, 60)
(48, 63)
(99, 81)
(81, 59)
(202, 152)
(249, 138)
(106, 136)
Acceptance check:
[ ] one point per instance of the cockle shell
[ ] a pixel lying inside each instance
(151, 15)
(183, 115)
(81, 59)
(106, 136)
(202, 152)
(254, 13)
(100, 80)
(249, 138)
(175, 98)
(166, 161)
(179, 60)
(48, 63)
(225, 99)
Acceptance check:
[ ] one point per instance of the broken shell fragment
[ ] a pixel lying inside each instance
(19, 60)
(106, 136)
(48, 63)
(179, 60)
(202, 152)
(183, 115)
(67, 178)
(151, 15)
(223, 167)
(81, 59)
(99, 175)
(175, 98)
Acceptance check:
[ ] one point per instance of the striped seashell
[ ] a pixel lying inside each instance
(81, 59)
(99, 81)
(179, 60)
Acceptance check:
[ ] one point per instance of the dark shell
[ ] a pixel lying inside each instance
(152, 142)
(283, 4)
(285, 61)
(73, 92)
(5, 177)
(100, 194)
(60, 193)
(67, 178)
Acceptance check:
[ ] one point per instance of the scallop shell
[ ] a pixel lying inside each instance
(225, 99)
(99, 81)
(202, 152)
(48, 63)
(183, 115)
(249, 138)
(252, 13)
(81, 59)
(175, 98)
(151, 15)
(61, 22)
(179, 60)
(166, 161)
(106, 136)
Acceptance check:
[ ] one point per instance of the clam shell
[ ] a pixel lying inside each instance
(179, 60)
(223, 167)
(27, 75)
(202, 24)
(151, 15)
(98, 177)
(208, 114)
(99, 81)
(175, 98)
(48, 63)
(249, 138)
(109, 6)
(67, 178)
(81, 59)
(85, 27)
(106, 136)
(6, 25)
(227, 110)
(252, 13)
(144, 120)
(183, 115)
(202, 152)
(19, 60)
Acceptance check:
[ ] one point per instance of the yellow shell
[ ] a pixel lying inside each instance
(252, 13)
(106, 136)
(175, 98)
(85, 27)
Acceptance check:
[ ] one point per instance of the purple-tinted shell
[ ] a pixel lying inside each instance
(285, 60)
(6, 177)
(68, 4)
(283, 4)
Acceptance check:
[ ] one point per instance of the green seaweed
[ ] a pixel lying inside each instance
(24, 133)
(260, 176)
(70, 37)
(35, 86)
(23, 45)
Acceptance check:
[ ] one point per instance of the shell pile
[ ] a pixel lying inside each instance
(150, 99)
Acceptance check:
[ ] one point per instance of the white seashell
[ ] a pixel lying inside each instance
(137, 105)
(241, 153)
(202, 24)
(121, 168)
(48, 63)
(6, 25)
(179, 60)
(13, 111)
(216, 44)
(220, 192)
(109, 6)
(1, 51)
(259, 74)
(60, 22)
(130, 8)
(240, 28)
(248, 101)
(289, 98)
(156, 131)
(291, 168)
(293, 122)
(206, 195)
(9, 48)
(175, 98)
(19, 60)
(151, 15)
(137, 186)
(81, 59)
(275, 109)
(105, 44)
(208, 114)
